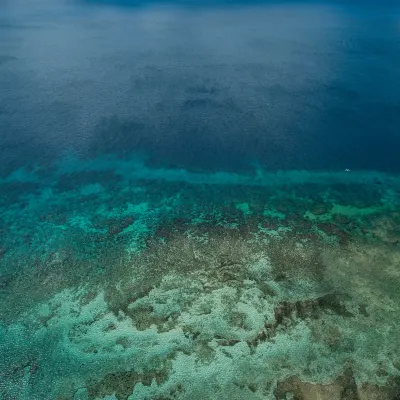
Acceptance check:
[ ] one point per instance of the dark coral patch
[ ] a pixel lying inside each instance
(116, 226)
(344, 387)
(321, 208)
(122, 383)
(311, 308)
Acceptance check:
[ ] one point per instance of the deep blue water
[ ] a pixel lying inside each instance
(201, 85)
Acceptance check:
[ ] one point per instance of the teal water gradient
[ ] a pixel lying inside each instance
(199, 201)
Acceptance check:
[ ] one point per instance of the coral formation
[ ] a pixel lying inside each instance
(166, 286)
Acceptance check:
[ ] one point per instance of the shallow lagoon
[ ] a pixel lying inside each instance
(176, 218)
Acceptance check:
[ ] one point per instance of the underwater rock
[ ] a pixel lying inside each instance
(341, 220)
(163, 231)
(143, 316)
(334, 303)
(270, 223)
(301, 225)
(375, 392)
(328, 228)
(320, 208)
(181, 224)
(344, 237)
(310, 308)
(286, 308)
(343, 387)
(332, 230)
(117, 226)
(286, 311)
(122, 384)
(20, 368)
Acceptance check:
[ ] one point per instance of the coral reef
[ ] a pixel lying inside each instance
(169, 285)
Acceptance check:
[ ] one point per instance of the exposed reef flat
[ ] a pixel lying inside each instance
(122, 282)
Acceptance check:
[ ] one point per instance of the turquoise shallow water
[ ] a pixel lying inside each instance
(122, 281)
(199, 201)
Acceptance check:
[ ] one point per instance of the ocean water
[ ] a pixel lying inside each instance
(199, 200)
